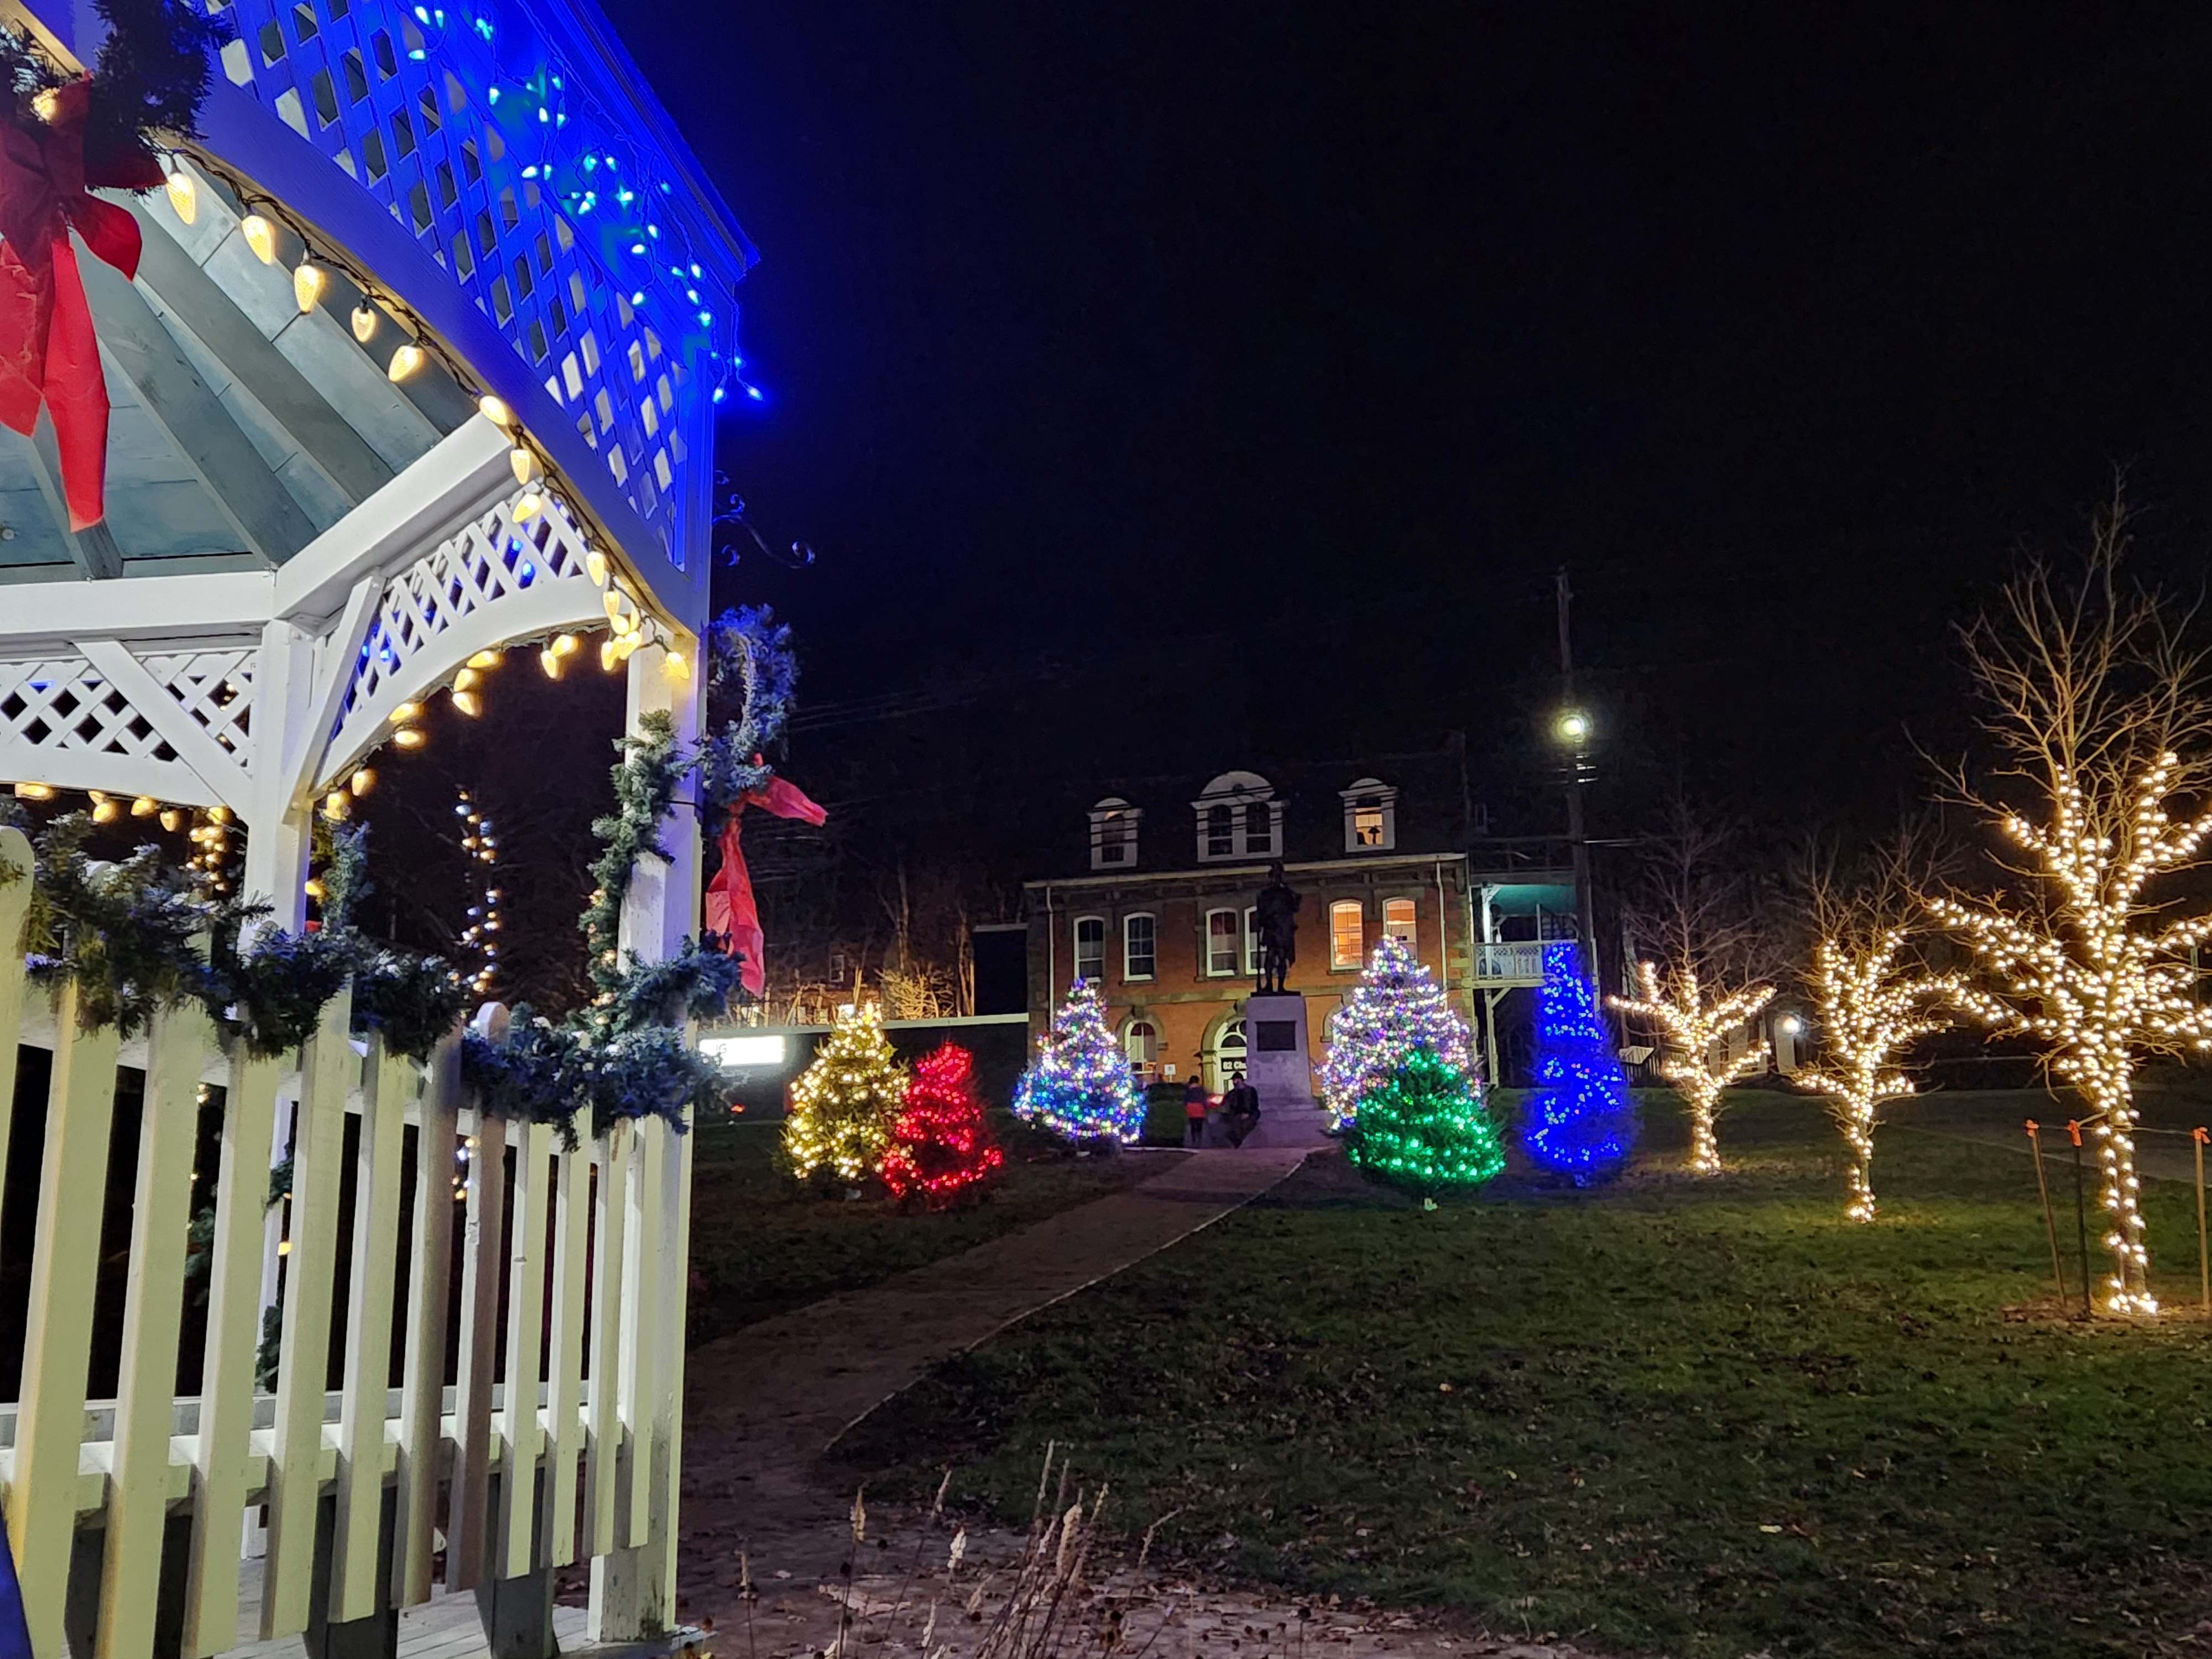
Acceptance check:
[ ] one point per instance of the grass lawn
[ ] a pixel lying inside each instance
(761, 1244)
(1696, 1417)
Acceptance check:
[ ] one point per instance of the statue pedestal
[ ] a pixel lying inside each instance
(1275, 1061)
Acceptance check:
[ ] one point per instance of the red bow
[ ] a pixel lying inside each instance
(730, 911)
(48, 351)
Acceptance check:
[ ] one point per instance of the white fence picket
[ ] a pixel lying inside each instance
(603, 1446)
(58, 1336)
(15, 861)
(327, 1066)
(422, 1406)
(643, 1290)
(521, 1437)
(387, 1089)
(227, 1385)
(674, 1246)
(467, 1530)
(565, 1363)
(152, 1321)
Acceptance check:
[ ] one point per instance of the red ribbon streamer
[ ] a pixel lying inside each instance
(49, 353)
(730, 910)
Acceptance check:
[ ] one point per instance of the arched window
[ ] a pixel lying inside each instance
(1113, 834)
(1399, 921)
(1221, 943)
(1239, 817)
(1225, 1055)
(1370, 817)
(1141, 1043)
(1091, 948)
(1139, 939)
(1347, 940)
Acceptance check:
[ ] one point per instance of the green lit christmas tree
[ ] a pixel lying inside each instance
(1424, 1128)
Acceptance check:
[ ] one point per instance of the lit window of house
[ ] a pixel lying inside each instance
(1370, 817)
(1397, 921)
(1239, 817)
(1113, 824)
(1139, 937)
(1251, 943)
(1221, 942)
(1141, 1043)
(1347, 943)
(1091, 948)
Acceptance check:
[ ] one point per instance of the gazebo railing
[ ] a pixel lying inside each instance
(462, 1298)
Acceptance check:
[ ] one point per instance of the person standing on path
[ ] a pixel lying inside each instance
(1195, 1100)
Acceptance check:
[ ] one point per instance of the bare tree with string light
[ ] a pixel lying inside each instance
(2100, 716)
(1701, 984)
(1874, 996)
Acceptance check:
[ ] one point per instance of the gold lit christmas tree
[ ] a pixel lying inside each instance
(844, 1105)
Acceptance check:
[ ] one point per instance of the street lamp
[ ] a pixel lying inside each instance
(1573, 726)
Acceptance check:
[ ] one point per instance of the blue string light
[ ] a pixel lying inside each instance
(1581, 1122)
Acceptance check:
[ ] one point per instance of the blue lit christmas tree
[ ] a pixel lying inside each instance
(1580, 1120)
(1079, 1085)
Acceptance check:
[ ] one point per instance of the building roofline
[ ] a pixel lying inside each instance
(1371, 861)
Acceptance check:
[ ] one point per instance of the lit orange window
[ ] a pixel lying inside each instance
(1347, 943)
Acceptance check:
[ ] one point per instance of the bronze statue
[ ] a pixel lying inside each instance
(1276, 919)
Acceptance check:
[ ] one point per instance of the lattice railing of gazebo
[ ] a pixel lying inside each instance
(89, 720)
(500, 578)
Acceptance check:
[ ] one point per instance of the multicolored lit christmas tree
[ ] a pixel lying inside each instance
(1424, 1128)
(940, 1145)
(1396, 1007)
(1079, 1085)
(1581, 1122)
(844, 1105)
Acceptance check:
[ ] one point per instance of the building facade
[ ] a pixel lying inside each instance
(1163, 920)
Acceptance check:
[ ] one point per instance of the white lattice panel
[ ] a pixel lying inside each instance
(492, 559)
(64, 704)
(496, 581)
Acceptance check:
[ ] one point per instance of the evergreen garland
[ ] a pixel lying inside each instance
(126, 934)
(272, 991)
(696, 983)
(412, 1001)
(644, 787)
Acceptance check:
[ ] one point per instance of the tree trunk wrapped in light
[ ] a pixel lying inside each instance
(2100, 717)
(1692, 1019)
(1872, 1006)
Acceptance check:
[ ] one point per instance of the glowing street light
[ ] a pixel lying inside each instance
(1573, 726)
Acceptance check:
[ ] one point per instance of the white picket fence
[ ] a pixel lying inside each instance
(571, 1274)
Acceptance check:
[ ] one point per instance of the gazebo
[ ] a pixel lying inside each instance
(419, 364)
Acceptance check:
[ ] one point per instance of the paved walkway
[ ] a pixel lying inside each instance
(763, 1404)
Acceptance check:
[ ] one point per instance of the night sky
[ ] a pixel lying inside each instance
(1319, 336)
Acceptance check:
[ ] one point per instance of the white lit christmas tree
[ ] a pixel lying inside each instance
(1395, 1008)
(1079, 1085)
(844, 1105)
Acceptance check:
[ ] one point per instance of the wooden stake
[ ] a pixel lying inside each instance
(2197, 1138)
(2043, 1192)
(2081, 1216)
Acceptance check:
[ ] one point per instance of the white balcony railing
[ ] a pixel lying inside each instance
(1518, 963)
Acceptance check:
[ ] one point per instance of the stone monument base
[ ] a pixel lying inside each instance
(1275, 1062)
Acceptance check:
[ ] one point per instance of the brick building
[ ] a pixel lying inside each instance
(1159, 910)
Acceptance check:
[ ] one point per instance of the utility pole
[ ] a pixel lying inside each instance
(1575, 730)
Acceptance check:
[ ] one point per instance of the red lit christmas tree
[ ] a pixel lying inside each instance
(940, 1145)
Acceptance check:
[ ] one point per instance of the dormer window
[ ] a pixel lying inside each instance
(1238, 818)
(1370, 817)
(1113, 834)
